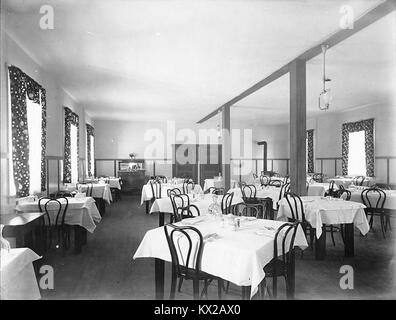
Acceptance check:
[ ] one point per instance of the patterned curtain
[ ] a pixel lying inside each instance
(70, 118)
(310, 147)
(368, 127)
(90, 134)
(20, 86)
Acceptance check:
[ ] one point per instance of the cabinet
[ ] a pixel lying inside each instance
(132, 181)
(132, 174)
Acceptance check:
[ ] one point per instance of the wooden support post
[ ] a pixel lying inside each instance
(226, 147)
(298, 127)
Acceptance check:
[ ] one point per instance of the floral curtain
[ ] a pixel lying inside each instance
(21, 85)
(310, 147)
(70, 118)
(90, 134)
(368, 127)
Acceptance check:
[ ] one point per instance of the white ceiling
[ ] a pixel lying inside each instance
(158, 60)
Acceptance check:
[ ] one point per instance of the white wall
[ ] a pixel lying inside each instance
(13, 54)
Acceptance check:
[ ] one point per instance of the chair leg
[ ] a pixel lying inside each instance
(382, 224)
(196, 289)
(180, 284)
(219, 288)
(332, 234)
(173, 284)
(275, 287)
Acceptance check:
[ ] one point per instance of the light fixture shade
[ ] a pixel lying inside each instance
(325, 99)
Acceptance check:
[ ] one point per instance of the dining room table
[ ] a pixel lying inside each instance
(217, 183)
(82, 214)
(147, 193)
(346, 181)
(235, 254)
(113, 182)
(317, 188)
(323, 211)
(262, 192)
(18, 279)
(22, 227)
(390, 200)
(100, 191)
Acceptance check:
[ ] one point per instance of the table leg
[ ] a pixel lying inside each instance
(161, 219)
(159, 279)
(320, 247)
(246, 292)
(291, 276)
(78, 238)
(147, 207)
(349, 240)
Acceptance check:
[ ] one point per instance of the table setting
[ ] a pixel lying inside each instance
(81, 211)
(235, 248)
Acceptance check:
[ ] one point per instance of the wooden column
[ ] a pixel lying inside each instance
(298, 127)
(226, 147)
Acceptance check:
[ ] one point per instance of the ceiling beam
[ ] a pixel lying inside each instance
(367, 19)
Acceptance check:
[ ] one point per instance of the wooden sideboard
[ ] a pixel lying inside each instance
(132, 181)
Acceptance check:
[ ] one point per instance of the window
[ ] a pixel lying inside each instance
(90, 156)
(34, 129)
(92, 162)
(357, 153)
(34, 119)
(27, 134)
(74, 153)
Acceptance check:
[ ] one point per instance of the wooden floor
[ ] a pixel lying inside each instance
(105, 269)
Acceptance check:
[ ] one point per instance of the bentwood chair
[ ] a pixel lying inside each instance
(281, 265)
(283, 189)
(54, 220)
(186, 246)
(298, 215)
(188, 186)
(156, 191)
(358, 180)
(173, 192)
(214, 190)
(246, 210)
(226, 203)
(86, 188)
(265, 180)
(249, 193)
(286, 179)
(318, 177)
(182, 208)
(374, 200)
(332, 191)
(346, 195)
(275, 183)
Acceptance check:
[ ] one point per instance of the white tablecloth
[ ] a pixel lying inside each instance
(262, 192)
(147, 193)
(99, 190)
(236, 256)
(165, 204)
(390, 202)
(317, 189)
(81, 211)
(113, 182)
(346, 182)
(18, 280)
(208, 183)
(321, 211)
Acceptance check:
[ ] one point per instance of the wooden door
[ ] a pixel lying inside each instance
(210, 161)
(185, 161)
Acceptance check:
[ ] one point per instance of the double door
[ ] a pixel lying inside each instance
(197, 161)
